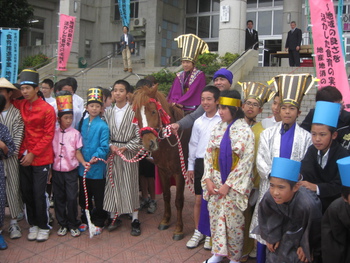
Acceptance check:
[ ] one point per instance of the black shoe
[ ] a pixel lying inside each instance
(114, 226)
(135, 228)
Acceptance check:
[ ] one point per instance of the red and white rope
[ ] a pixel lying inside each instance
(167, 133)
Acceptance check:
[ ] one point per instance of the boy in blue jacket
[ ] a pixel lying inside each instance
(95, 135)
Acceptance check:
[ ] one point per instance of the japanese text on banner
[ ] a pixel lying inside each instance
(65, 40)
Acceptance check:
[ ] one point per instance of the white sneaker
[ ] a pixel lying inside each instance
(195, 240)
(75, 232)
(207, 243)
(43, 235)
(15, 231)
(33, 233)
(62, 231)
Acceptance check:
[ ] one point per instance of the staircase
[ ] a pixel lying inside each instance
(264, 74)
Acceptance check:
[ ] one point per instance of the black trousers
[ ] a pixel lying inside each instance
(294, 58)
(33, 180)
(96, 189)
(65, 187)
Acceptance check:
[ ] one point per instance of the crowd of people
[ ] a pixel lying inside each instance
(272, 189)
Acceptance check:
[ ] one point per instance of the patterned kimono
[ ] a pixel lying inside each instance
(7, 139)
(269, 147)
(226, 214)
(14, 123)
(124, 196)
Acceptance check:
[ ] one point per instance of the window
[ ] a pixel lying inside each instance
(134, 9)
(36, 32)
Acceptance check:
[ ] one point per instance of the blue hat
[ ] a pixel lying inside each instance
(344, 170)
(285, 169)
(224, 73)
(326, 113)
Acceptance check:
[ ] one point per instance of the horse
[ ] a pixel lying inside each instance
(153, 112)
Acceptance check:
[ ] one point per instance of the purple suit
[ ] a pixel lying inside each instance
(194, 83)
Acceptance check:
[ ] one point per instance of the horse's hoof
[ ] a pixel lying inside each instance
(163, 227)
(178, 237)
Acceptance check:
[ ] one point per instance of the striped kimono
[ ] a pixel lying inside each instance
(14, 123)
(124, 196)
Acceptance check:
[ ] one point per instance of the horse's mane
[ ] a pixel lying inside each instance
(142, 95)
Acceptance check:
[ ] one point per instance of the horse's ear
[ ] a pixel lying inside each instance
(154, 90)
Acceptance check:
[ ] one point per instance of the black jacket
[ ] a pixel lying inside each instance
(327, 179)
(294, 39)
(251, 39)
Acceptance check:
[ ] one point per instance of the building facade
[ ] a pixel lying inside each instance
(155, 24)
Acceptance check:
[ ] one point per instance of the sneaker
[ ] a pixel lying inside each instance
(15, 231)
(83, 227)
(135, 228)
(3, 244)
(252, 254)
(152, 207)
(195, 240)
(20, 216)
(207, 243)
(43, 235)
(115, 225)
(75, 232)
(98, 231)
(62, 231)
(33, 233)
(144, 203)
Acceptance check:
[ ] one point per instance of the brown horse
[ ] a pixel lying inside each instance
(151, 110)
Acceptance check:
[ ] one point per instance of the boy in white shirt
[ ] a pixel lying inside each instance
(197, 146)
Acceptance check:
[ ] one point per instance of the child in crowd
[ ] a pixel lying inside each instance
(65, 84)
(107, 99)
(11, 118)
(319, 168)
(255, 96)
(276, 117)
(7, 149)
(285, 140)
(227, 178)
(95, 134)
(47, 89)
(123, 197)
(66, 143)
(35, 154)
(336, 221)
(289, 216)
(201, 131)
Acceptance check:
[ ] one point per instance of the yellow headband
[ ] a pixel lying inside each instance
(229, 102)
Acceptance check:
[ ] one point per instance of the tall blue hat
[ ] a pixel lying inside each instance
(344, 170)
(326, 113)
(285, 169)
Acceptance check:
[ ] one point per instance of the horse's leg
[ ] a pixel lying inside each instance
(179, 202)
(165, 180)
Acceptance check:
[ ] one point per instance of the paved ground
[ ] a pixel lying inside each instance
(119, 246)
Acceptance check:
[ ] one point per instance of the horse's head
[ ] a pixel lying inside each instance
(152, 113)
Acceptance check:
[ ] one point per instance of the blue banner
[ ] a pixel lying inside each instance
(124, 10)
(9, 54)
(340, 25)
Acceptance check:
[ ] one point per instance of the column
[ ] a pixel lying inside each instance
(232, 33)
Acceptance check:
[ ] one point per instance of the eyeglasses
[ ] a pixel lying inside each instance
(250, 104)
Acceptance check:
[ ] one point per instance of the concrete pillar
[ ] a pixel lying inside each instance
(291, 12)
(232, 33)
(72, 8)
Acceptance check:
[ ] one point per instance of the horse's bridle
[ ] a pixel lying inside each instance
(164, 120)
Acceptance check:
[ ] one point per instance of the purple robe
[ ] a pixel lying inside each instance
(194, 83)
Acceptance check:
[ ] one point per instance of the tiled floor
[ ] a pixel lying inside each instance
(118, 246)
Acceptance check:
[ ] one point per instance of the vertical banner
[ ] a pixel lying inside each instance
(9, 54)
(124, 10)
(65, 40)
(330, 65)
